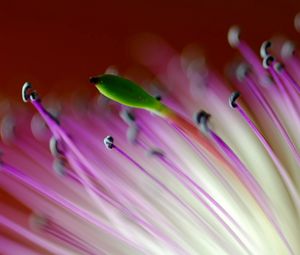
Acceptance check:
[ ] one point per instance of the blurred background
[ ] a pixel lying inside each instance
(57, 45)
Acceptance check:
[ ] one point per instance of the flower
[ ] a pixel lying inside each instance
(160, 184)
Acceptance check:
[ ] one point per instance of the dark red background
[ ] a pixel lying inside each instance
(57, 45)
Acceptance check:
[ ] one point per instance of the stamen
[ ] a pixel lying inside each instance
(74, 156)
(249, 180)
(233, 98)
(186, 180)
(202, 118)
(54, 147)
(268, 109)
(128, 93)
(59, 166)
(66, 204)
(28, 235)
(233, 36)
(287, 78)
(297, 22)
(28, 94)
(7, 128)
(282, 171)
(267, 61)
(109, 142)
(172, 194)
(127, 116)
(44, 224)
(248, 55)
(25, 91)
(291, 107)
(264, 49)
(288, 50)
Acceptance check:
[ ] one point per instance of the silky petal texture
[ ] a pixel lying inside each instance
(151, 188)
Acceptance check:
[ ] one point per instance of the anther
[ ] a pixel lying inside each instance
(264, 49)
(297, 22)
(59, 166)
(233, 36)
(201, 119)
(232, 99)
(25, 91)
(8, 128)
(28, 94)
(109, 142)
(242, 71)
(38, 221)
(267, 61)
(127, 116)
(54, 148)
(155, 152)
(278, 67)
(288, 49)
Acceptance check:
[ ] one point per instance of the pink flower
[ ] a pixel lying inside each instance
(226, 184)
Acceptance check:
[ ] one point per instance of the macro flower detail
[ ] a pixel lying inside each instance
(131, 171)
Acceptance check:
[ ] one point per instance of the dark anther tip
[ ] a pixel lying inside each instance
(242, 71)
(232, 99)
(25, 91)
(28, 94)
(288, 49)
(94, 80)
(201, 119)
(264, 49)
(233, 36)
(155, 152)
(278, 67)
(109, 142)
(128, 116)
(54, 147)
(267, 61)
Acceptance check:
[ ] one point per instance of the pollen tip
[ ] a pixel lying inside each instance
(232, 99)
(38, 221)
(127, 116)
(233, 36)
(264, 49)
(288, 49)
(242, 71)
(54, 148)
(8, 128)
(267, 61)
(25, 89)
(297, 22)
(278, 67)
(109, 142)
(201, 119)
(155, 152)
(28, 94)
(59, 166)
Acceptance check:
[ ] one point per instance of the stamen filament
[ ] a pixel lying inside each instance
(282, 171)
